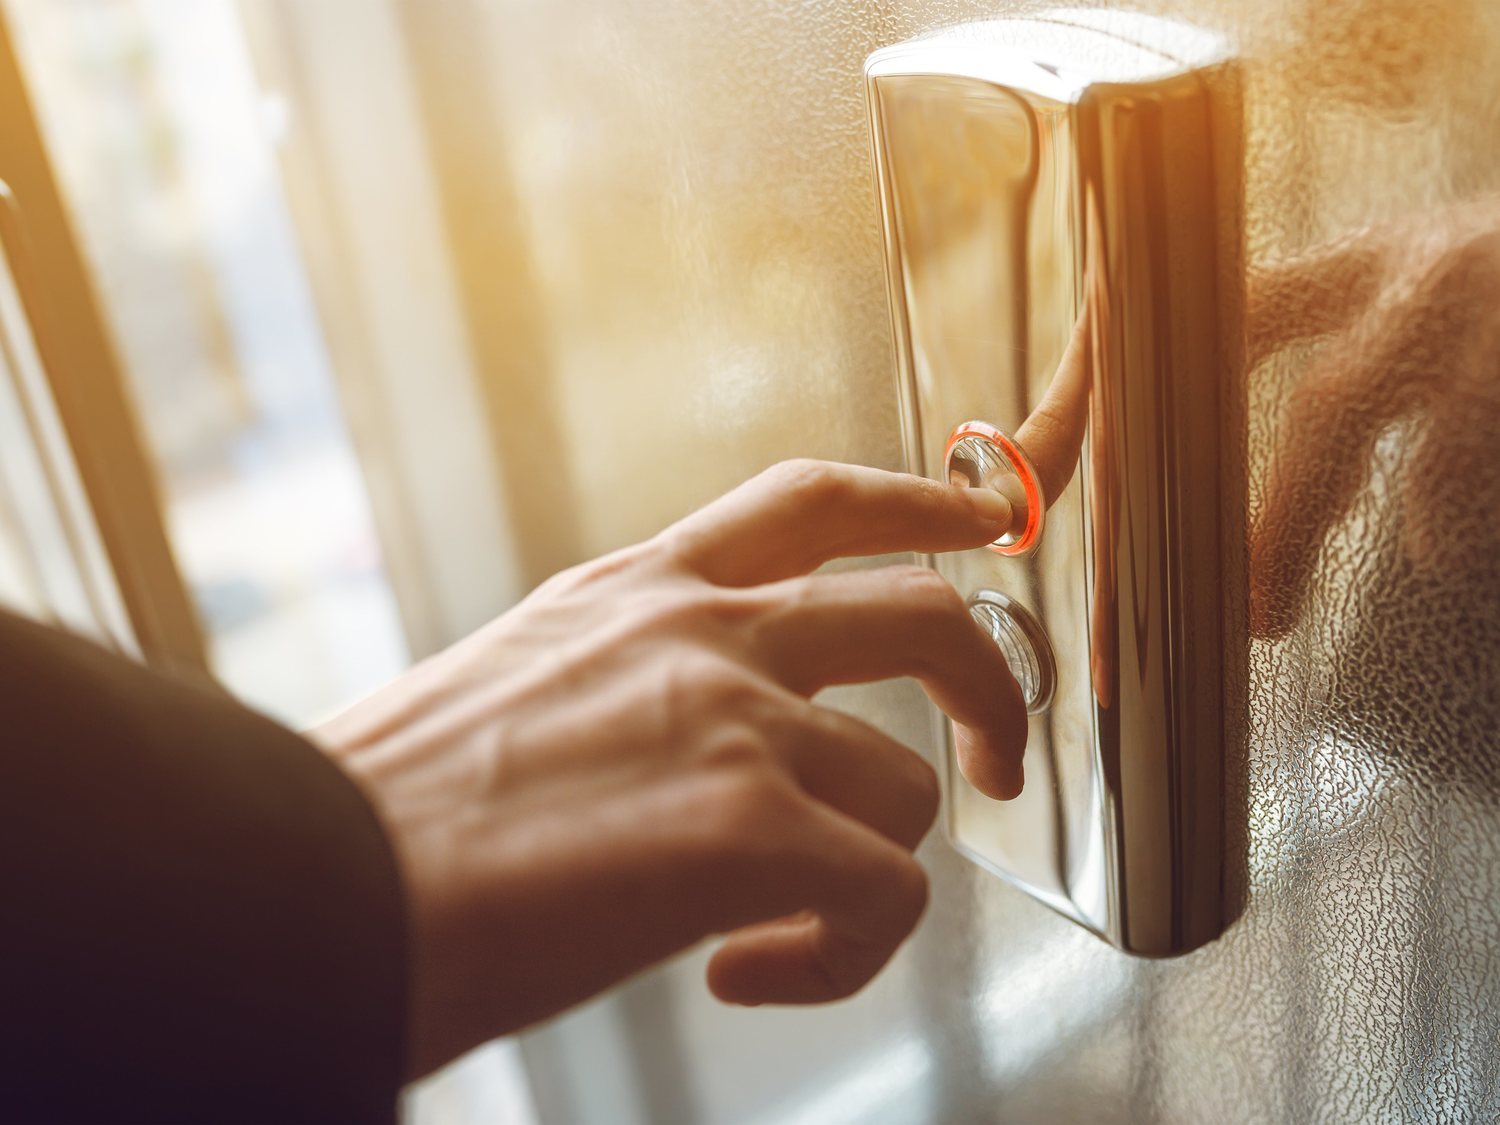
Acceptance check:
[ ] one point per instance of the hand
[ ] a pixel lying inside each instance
(629, 760)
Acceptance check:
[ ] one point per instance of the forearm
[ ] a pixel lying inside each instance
(202, 914)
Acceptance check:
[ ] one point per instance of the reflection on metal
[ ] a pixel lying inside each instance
(1061, 211)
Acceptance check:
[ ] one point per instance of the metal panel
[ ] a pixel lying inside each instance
(1054, 228)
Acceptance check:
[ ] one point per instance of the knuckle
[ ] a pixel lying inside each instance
(679, 547)
(595, 571)
(727, 690)
(809, 483)
(688, 609)
(672, 544)
(703, 683)
(746, 808)
(928, 590)
(738, 747)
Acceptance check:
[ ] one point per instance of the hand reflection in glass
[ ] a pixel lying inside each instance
(1406, 323)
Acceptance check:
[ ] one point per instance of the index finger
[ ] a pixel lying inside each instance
(902, 621)
(797, 515)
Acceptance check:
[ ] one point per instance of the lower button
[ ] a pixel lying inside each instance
(1022, 641)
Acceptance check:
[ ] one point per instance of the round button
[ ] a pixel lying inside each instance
(1023, 642)
(980, 456)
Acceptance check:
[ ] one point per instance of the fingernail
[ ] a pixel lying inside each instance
(985, 764)
(991, 506)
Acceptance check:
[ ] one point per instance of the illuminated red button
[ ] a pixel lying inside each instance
(980, 456)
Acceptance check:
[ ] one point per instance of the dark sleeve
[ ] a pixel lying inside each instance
(200, 915)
